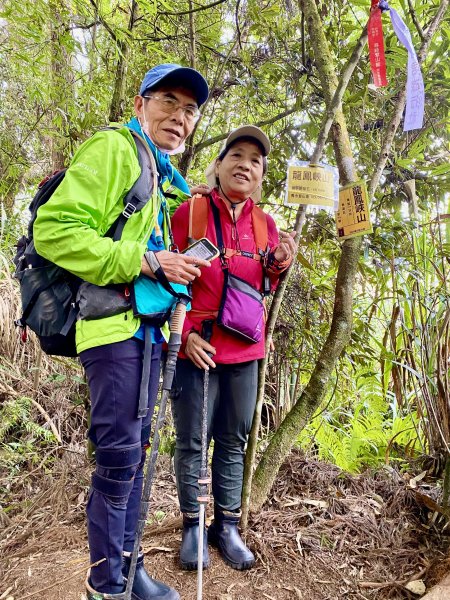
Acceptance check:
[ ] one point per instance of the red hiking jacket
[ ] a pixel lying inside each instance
(207, 289)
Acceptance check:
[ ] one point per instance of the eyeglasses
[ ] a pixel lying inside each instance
(171, 105)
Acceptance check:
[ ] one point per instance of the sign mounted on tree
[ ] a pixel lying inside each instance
(415, 91)
(353, 216)
(311, 184)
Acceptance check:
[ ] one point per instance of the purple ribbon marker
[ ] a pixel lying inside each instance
(415, 91)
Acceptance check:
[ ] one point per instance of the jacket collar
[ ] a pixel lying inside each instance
(221, 205)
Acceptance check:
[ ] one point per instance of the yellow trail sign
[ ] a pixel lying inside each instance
(310, 184)
(353, 216)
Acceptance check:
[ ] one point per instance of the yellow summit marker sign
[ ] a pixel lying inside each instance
(353, 216)
(310, 185)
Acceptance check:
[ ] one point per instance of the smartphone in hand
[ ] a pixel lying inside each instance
(202, 248)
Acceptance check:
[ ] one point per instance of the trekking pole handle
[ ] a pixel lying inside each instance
(176, 329)
(177, 319)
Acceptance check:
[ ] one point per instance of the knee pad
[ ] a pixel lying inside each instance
(114, 472)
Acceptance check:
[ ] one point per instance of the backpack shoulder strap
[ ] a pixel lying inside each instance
(259, 221)
(146, 185)
(198, 217)
(144, 188)
(260, 229)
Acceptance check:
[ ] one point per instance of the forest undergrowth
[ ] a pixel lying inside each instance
(366, 535)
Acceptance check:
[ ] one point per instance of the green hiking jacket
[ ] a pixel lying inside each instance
(70, 226)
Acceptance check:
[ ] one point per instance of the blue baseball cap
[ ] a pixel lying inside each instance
(178, 76)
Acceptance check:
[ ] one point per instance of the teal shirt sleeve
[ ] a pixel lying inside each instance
(68, 229)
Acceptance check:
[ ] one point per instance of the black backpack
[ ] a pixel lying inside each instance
(48, 292)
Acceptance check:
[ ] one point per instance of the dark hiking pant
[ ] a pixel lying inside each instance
(114, 375)
(231, 404)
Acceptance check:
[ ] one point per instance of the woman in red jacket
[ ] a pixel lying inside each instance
(231, 224)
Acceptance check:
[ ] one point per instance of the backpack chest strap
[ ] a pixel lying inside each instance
(230, 252)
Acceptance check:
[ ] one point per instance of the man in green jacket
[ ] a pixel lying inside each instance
(70, 231)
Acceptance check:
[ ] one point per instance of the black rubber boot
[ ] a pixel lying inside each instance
(144, 586)
(189, 544)
(223, 533)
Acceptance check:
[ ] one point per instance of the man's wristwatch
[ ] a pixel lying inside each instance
(152, 261)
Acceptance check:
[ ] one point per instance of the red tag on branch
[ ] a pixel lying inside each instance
(376, 46)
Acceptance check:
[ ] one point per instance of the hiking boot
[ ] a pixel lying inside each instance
(223, 533)
(144, 586)
(189, 544)
(92, 594)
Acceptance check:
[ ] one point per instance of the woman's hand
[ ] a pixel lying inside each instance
(287, 246)
(202, 188)
(196, 350)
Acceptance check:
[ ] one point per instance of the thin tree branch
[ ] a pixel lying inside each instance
(192, 39)
(165, 38)
(223, 136)
(338, 95)
(415, 20)
(193, 10)
(86, 26)
(238, 29)
(104, 23)
(47, 417)
(211, 49)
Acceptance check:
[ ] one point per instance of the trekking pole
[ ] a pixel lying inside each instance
(204, 480)
(176, 329)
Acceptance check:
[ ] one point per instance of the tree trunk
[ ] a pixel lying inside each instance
(118, 100)
(333, 117)
(59, 77)
(188, 154)
(340, 330)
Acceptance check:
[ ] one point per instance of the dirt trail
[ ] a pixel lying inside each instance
(324, 535)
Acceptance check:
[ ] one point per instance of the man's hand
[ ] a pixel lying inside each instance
(287, 246)
(196, 349)
(177, 267)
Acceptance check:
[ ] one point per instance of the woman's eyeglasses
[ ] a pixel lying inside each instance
(171, 105)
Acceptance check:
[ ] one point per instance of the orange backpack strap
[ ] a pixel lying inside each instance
(259, 221)
(198, 217)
